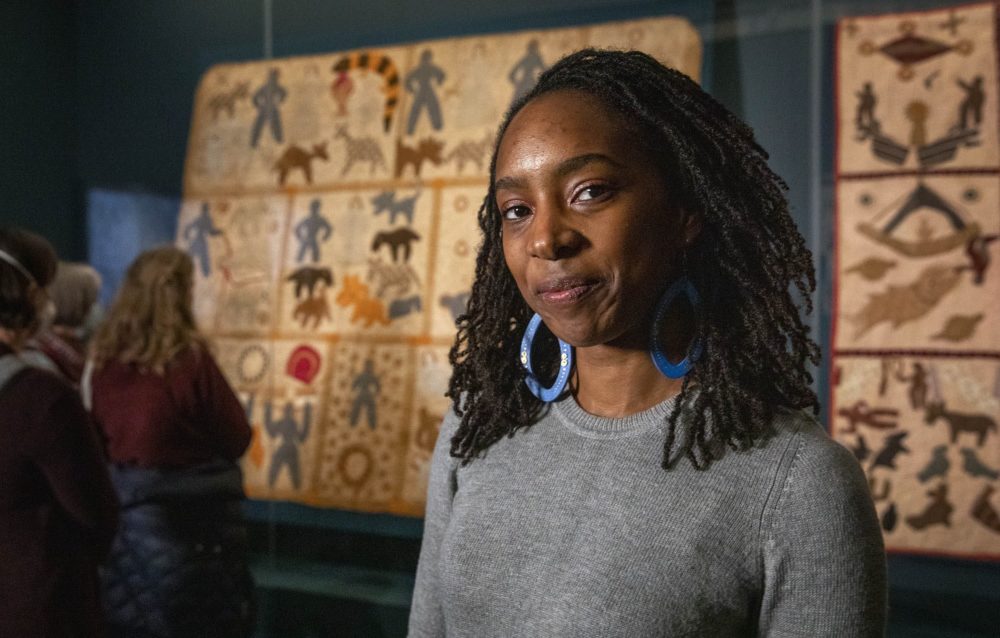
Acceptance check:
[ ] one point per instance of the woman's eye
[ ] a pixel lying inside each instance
(513, 213)
(588, 193)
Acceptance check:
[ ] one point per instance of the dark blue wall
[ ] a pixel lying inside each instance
(38, 122)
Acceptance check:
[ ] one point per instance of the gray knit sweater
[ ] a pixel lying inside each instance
(571, 528)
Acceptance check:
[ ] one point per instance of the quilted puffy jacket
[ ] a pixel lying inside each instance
(178, 564)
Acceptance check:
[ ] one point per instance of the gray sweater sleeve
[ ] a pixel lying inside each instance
(426, 617)
(823, 558)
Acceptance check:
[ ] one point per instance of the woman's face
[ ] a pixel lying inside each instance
(589, 233)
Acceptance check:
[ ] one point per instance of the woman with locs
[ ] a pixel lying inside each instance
(630, 451)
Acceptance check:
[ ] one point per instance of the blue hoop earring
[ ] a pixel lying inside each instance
(552, 392)
(660, 360)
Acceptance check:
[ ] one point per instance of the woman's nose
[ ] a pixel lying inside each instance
(551, 236)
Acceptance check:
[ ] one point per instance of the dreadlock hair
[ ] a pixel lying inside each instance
(743, 263)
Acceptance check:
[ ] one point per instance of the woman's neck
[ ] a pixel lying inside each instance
(616, 382)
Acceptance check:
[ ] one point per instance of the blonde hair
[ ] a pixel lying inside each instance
(150, 321)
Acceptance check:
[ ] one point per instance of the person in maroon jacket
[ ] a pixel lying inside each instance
(174, 432)
(58, 511)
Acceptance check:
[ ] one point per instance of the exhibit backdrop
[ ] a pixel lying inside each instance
(915, 378)
(330, 207)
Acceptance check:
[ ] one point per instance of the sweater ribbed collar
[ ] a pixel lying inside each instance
(581, 422)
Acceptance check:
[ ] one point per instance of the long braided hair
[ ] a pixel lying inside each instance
(744, 262)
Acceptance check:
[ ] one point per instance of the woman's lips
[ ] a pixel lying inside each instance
(565, 291)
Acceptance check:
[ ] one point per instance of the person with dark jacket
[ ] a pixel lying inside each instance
(58, 511)
(175, 431)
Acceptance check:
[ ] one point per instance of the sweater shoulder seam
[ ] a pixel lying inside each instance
(774, 494)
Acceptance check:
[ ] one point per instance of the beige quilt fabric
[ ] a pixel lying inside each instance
(915, 383)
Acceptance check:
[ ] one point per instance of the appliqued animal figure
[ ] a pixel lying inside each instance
(296, 157)
(396, 240)
(937, 466)
(371, 61)
(307, 277)
(456, 304)
(979, 424)
(396, 277)
(898, 305)
(427, 149)
(983, 512)
(976, 468)
(893, 447)
(470, 151)
(402, 307)
(361, 149)
(937, 512)
(226, 100)
(386, 202)
(312, 309)
(367, 309)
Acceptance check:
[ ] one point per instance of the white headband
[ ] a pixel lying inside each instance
(10, 259)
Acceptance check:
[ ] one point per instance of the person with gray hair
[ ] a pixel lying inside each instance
(69, 319)
(76, 294)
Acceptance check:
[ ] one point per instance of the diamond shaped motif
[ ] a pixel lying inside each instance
(911, 49)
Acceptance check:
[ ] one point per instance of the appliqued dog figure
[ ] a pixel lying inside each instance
(402, 307)
(396, 240)
(367, 309)
(427, 149)
(307, 277)
(296, 157)
(312, 309)
(979, 424)
(226, 100)
(386, 202)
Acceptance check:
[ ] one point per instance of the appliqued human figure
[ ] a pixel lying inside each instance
(367, 386)
(267, 100)
(197, 233)
(420, 82)
(311, 231)
(525, 73)
(292, 437)
(970, 111)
